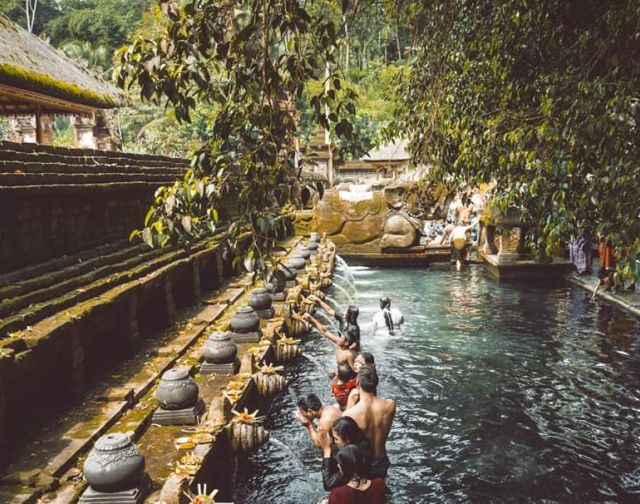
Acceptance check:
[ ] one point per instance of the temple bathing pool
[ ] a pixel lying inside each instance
(505, 393)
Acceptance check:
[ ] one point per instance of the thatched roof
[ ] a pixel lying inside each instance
(394, 151)
(33, 73)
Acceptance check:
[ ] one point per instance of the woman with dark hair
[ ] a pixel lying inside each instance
(359, 489)
(348, 323)
(345, 431)
(387, 317)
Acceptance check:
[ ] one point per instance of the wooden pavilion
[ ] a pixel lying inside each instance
(36, 79)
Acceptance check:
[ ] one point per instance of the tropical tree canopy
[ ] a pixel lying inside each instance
(252, 60)
(541, 98)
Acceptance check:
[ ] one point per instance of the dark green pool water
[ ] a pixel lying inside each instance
(506, 393)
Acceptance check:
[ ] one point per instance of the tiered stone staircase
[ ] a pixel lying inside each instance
(76, 297)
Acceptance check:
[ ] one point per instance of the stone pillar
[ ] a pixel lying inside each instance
(491, 237)
(522, 240)
(78, 375)
(24, 129)
(104, 138)
(5, 361)
(505, 256)
(83, 127)
(134, 328)
(219, 265)
(168, 299)
(197, 288)
(46, 123)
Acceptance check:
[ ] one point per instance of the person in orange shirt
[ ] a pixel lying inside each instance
(607, 266)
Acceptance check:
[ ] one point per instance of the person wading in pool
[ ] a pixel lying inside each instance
(362, 359)
(388, 317)
(344, 344)
(310, 408)
(374, 415)
(348, 324)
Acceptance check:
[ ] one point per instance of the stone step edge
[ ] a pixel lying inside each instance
(95, 289)
(81, 485)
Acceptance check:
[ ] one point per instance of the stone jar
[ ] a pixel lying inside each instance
(259, 299)
(245, 320)
(177, 390)
(290, 272)
(297, 262)
(314, 237)
(219, 349)
(114, 465)
(303, 252)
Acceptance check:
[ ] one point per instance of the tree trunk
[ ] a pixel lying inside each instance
(347, 46)
(398, 39)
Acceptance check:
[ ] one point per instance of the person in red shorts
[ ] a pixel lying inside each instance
(344, 383)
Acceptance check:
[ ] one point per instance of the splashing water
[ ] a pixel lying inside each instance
(292, 455)
(316, 363)
(351, 284)
(328, 319)
(344, 291)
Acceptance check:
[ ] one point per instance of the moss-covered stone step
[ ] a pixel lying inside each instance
(26, 179)
(33, 166)
(42, 268)
(39, 311)
(78, 189)
(33, 148)
(74, 277)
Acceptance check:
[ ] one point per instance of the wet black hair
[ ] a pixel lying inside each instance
(353, 462)
(367, 357)
(385, 302)
(352, 314)
(309, 402)
(347, 428)
(345, 373)
(368, 378)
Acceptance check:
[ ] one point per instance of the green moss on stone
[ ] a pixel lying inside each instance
(20, 77)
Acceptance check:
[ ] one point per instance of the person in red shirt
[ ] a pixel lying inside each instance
(345, 382)
(358, 489)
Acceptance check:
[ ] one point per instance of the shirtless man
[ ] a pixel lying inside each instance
(343, 344)
(310, 408)
(374, 415)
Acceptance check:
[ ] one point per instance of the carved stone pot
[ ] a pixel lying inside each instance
(246, 320)
(297, 262)
(290, 273)
(114, 465)
(303, 252)
(246, 437)
(219, 349)
(269, 384)
(259, 299)
(177, 390)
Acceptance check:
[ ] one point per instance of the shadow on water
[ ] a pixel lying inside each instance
(505, 392)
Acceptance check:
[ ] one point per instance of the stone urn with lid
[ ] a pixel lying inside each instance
(260, 300)
(177, 390)
(220, 354)
(114, 465)
(303, 252)
(297, 262)
(245, 325)
(290, 274)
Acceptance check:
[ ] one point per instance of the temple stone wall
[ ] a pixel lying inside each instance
(57, 201)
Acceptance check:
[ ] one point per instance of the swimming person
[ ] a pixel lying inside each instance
(309, 408)
(388, 317)
(374, 415)
(345, 431)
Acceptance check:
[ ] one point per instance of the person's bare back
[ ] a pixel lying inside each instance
(374, 415)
